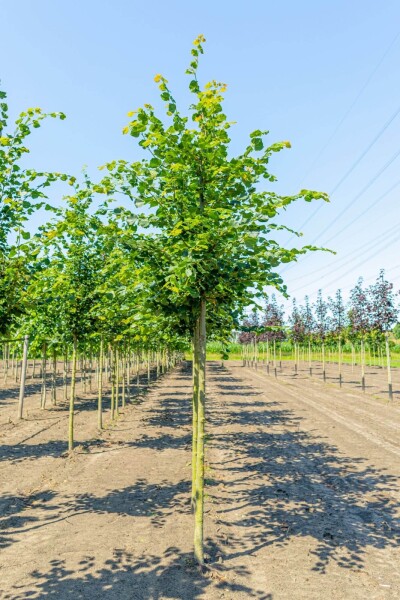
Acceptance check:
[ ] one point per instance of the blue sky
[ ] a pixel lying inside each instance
(297, 69)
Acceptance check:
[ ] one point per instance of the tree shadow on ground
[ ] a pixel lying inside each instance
(20, 451)
(167, 424)
(278, 483)
(289, 483)
(14, 515)
(171, 574)
(142, 499)
(125, 576)
(154, 502)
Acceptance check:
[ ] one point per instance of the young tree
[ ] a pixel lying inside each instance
(65, 292)
(321, 325)
(383, 314)
(212, 249)
(309, 327)
(338, 314)
(21, 190)
(273, 320)
(359, 320)
(384, 310)
(338, 324)
(297, 330)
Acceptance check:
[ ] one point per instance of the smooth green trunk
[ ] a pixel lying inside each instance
(54, 379)
(123, 365)
(72, 398)
(112, 369)
(100, 387)
(389, 371)
(195, 409)
(44, 378)
(117, 376)
(199, 495)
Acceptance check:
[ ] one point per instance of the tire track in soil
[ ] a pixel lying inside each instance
(292, 511)
(308, 514)
(114, 520)
(347, 420)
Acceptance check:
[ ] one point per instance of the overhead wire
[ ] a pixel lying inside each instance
(395, 239)
(352, 105)
(355, 252)
(372, 143)
(357, 217)
(358, 196)
(365, 210)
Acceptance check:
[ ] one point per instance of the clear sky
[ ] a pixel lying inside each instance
(324, 75)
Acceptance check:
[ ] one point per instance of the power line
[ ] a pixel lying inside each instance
(372, 143)
(350, 170)
(396, 238)
(349, 223)
(377, 241)
(358, 196)
(366, 210)
(352, 105)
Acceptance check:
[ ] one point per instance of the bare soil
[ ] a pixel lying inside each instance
(303, 493)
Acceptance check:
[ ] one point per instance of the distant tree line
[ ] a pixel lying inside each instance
(369, 315)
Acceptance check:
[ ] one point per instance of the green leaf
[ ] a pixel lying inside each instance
(258, 143)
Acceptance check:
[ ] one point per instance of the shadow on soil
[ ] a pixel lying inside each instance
(284, 482)
(291, 484)
(125, 575)
(46, 419)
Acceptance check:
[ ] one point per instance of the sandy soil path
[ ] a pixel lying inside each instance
(303, 499)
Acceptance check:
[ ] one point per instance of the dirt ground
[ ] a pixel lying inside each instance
(303, 493)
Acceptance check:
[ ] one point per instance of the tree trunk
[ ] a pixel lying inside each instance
(123, 366)
(100, 386)
(362, 360)
(43, 396)
(199, 498)
(65, 374)
(112, 369)
(72, 397)
(54, 379)
(195, 404)
(117, 377)
(389, 372)
(128, 373)
(23, 377)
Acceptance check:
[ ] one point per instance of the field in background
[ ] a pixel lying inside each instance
(215, 351)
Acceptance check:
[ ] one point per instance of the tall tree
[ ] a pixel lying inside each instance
(22, 190)
(383, 314)
(338, 314)
(359, 320)
(321, 325)
(273, 320)
(359, 310)
(213, 248)
(383, 307)
(308, 319)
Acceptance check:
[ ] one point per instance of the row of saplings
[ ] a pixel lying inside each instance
(97, 366)
(362, 353)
